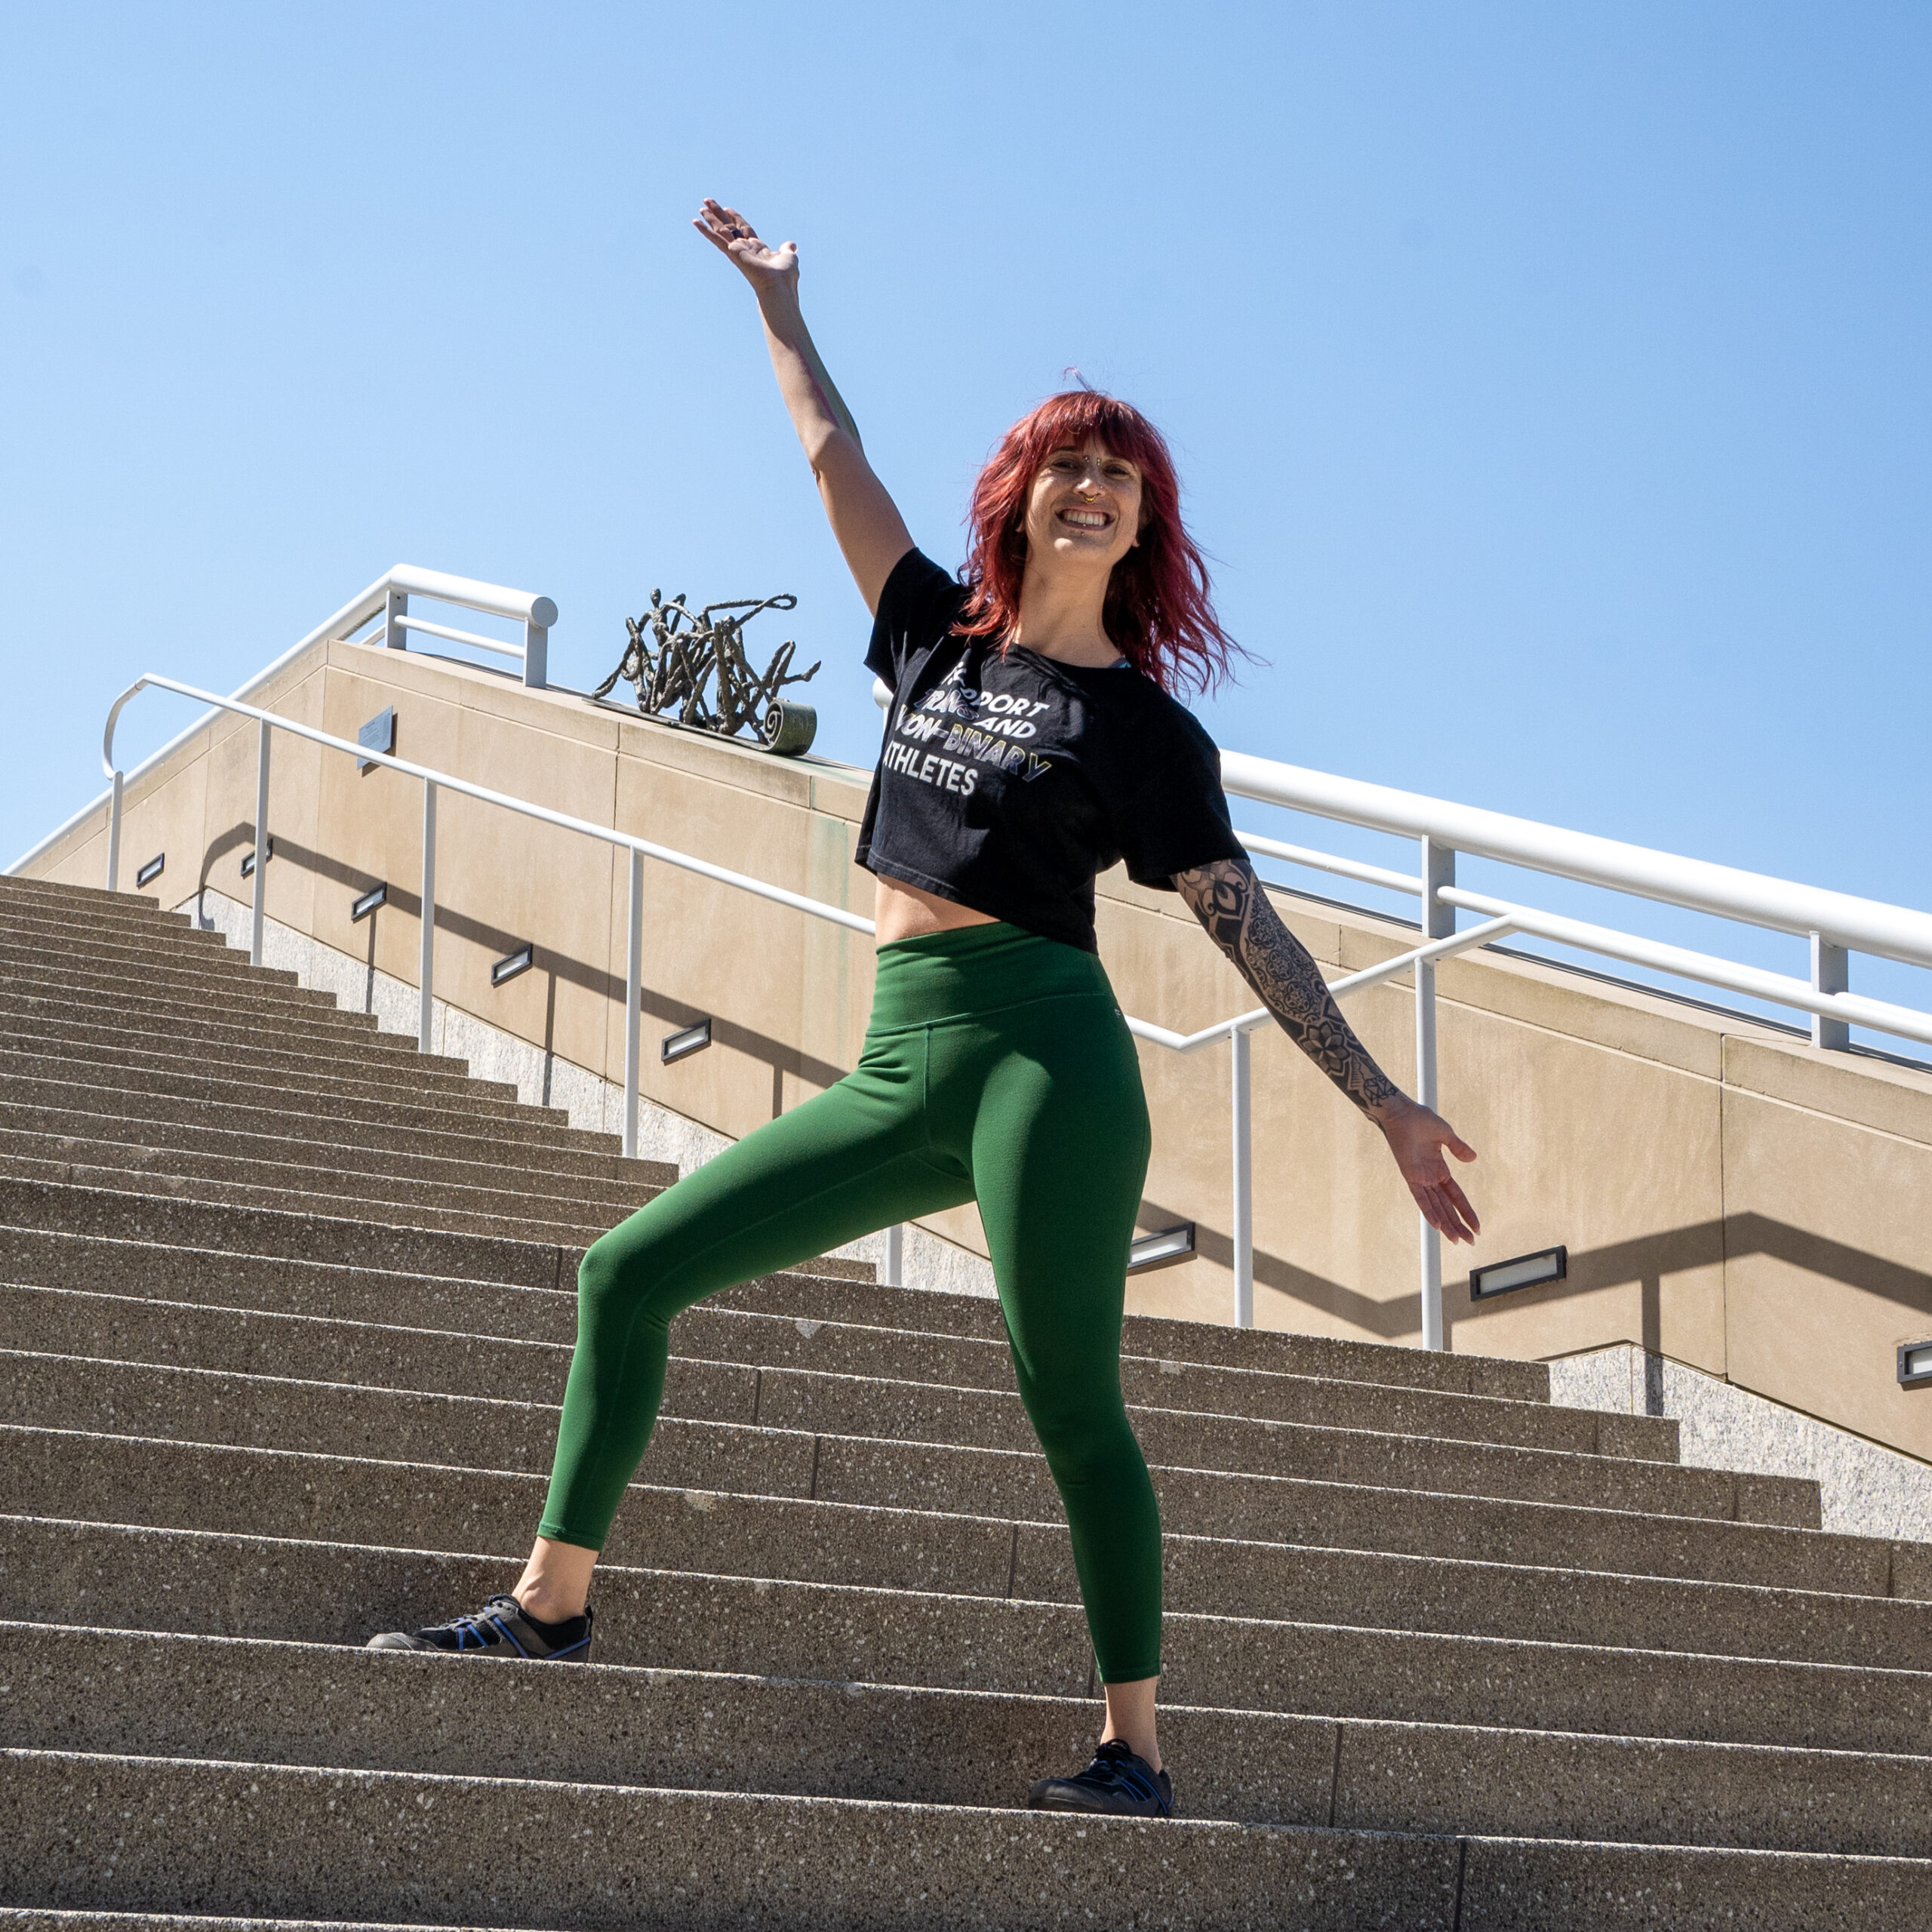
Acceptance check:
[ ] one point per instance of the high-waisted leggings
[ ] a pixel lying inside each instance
(996, 1067)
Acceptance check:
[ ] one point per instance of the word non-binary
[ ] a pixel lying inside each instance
(985, 727)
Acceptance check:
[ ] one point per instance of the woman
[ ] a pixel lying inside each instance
(1032, 743)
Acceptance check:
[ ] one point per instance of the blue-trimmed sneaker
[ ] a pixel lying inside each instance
(501, 1629)
(1116, 1782)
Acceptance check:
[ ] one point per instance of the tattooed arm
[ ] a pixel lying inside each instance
(1229, 902)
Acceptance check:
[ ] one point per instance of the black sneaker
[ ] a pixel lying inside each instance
(502, 1627)
(1116, 1782)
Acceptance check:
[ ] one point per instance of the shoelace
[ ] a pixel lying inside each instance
(1115, 1767)
(469, 1628)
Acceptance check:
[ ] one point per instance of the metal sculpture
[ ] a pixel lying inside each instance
(673, 655)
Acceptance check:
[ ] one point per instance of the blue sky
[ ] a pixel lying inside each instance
(1550, 384)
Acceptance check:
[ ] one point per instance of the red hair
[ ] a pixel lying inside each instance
(1158, 613)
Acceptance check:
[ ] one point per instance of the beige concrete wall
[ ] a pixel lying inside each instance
(1729, 1198)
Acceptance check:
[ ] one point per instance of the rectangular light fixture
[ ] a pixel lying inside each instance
(691, 1040)
(1915, 1365)
(378, 735)
(1526, 1271)
(376, 895)
(248, 859)
(1162, 1249)
(512, 963)
(149, 872)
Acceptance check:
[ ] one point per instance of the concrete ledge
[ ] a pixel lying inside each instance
(1864, 1489)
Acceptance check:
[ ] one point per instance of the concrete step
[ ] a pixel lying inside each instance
(28, 1253)
(207, 976)
(285, 1845)
(196, 1581)
(62, 1133)
(165, 1121)
(507, 1218)
(792, 1534)
(1208, 1344)
(31, 1207)
(158, 929)
(246, 1699)
(143, 1328)
(137, 1332)
(297, 1075)
(28, 1016)
(351, 1031)
(47, 1081)
(259, 997)
(486, 1207)
(22, 936)
(290, 1051)
(727, 1333)
(164, 1223)
(289, 1843)
(80, 900)
(188, 1405)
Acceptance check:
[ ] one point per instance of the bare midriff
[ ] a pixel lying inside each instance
(904, 912)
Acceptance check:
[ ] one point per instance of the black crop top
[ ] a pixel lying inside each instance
(1007, 783)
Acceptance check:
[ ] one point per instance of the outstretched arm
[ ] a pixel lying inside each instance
(864, 518)
(1229, 902)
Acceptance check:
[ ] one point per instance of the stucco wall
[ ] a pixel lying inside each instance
(1731, 1198)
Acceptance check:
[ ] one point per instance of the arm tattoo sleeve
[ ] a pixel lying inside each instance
(1228, 900)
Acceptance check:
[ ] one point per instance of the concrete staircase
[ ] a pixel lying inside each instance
(287, 1311)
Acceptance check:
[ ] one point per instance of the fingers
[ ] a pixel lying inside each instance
(1442, 1214)
(1457, 1146)
(1459, 1201)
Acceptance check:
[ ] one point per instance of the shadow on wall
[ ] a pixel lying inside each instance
(1646, 1260)
(781, 1058)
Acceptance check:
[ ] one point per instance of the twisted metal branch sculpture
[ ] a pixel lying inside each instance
(707, 648)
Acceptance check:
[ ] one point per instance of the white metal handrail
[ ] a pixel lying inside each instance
(389, 598)
(434, 783)
(1836, 924)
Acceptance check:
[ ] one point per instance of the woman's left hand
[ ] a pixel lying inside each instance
(1416, 1137)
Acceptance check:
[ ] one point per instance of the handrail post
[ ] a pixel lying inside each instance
(425, 957)
(1241, 1113)
(535, 655)
(396, 606)
(1831, 973)
(895, 1255)
(114, 838)
(633, 1000)
(1438, 921)
(261, 842)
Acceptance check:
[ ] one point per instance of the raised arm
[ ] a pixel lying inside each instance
(1229, 902)
(864, 518)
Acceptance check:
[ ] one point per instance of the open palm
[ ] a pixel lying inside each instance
(1417, 1137)
(731, 234)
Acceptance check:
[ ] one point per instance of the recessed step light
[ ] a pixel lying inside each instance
(248, 860)
(681, 1045)
(512, 963)
(1915, 1365)
(1162, 1249)
(376, 895)
(1526, 1271)
(151, 870)
(378, 735)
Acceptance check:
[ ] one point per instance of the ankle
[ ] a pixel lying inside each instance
(546, 1606)
(1145, 1749)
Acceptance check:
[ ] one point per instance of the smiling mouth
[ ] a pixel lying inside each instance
(1086, 519)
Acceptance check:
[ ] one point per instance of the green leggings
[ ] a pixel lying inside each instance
(996, 1066)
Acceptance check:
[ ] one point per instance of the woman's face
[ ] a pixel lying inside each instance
(1083, 508)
